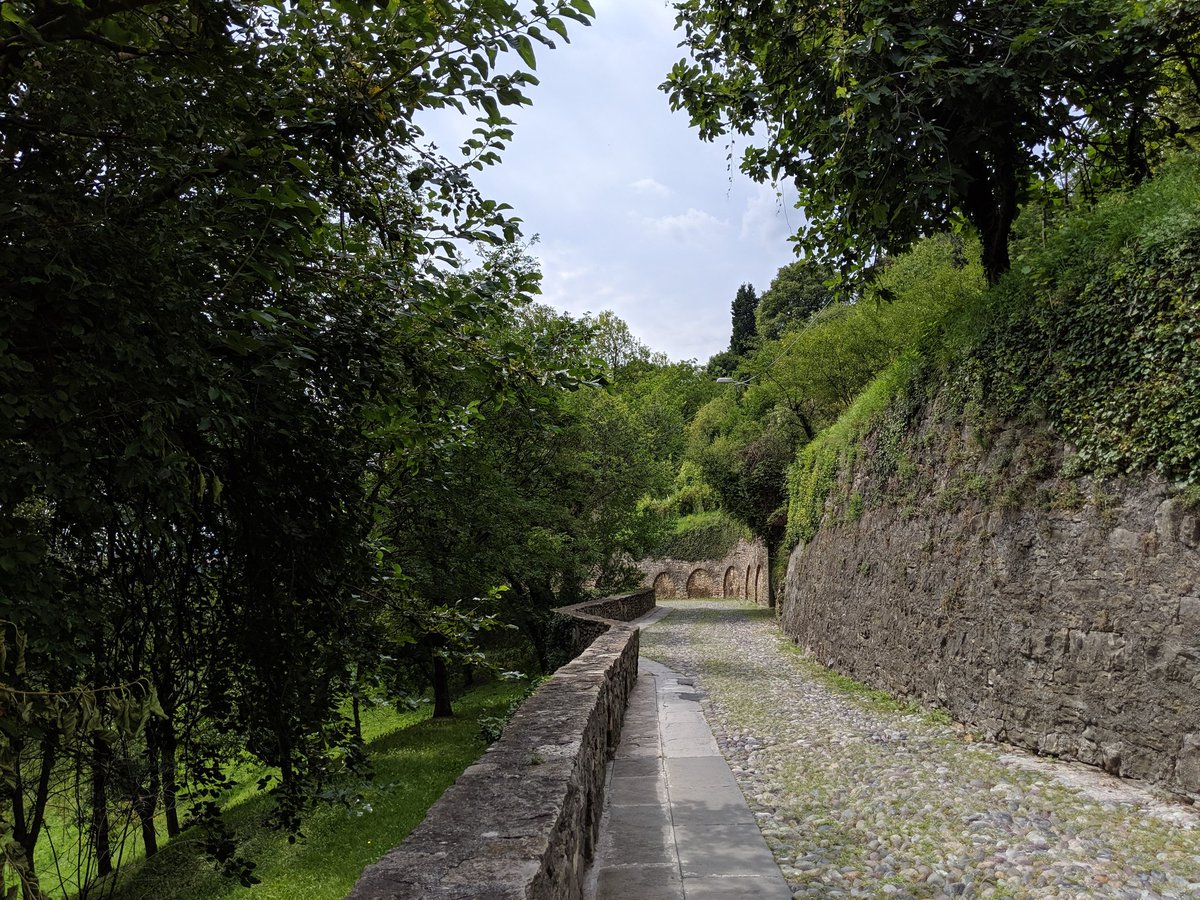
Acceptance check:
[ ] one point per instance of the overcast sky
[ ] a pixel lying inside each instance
(634, 212)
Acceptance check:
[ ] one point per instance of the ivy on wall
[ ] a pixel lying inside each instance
(1101, 329)
(702, 536)
(1095, 335)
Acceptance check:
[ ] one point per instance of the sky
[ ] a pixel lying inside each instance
(633, 212)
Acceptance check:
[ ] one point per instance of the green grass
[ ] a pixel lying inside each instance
(704, 535)
(415, 759)
(823, 460)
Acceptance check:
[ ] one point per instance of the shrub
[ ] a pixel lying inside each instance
(708, 535)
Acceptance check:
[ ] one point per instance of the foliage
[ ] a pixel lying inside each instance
(1098, 328)
(701, 536)
(614, 344)
(665, 398)
(894, 118)
(722, 364)
(233, 310)
(415, 758)
(742, 310)
(491, 727)
(818, 466)
(819, 369)
(797, 293)
(1095, 330)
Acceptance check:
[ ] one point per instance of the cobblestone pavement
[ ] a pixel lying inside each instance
(861, 796)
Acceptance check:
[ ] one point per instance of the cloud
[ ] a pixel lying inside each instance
(768, 217)
(584, 173)
(650, 186)
(695, 224)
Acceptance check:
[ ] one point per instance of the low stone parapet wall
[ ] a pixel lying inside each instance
(522, 822)
(584, 622)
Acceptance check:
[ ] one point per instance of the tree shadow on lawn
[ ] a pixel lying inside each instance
(357, 822)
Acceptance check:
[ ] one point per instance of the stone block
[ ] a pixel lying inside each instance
(1187, 765)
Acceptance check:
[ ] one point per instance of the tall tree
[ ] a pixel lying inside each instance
(893, 118)
(744, 304)
(797, 291)
(227, 251)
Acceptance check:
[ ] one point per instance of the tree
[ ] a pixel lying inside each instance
(895, 118)
(722, 364)
(797, 292)
(743, 454)
(615, 344)
(228, 259)
(744, 304)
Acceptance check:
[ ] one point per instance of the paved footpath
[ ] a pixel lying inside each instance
(855, 795)
(675, 824)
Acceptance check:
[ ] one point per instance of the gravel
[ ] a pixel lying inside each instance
(862, 796)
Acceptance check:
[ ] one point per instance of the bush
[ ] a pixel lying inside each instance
(701, 536)
(825, 365)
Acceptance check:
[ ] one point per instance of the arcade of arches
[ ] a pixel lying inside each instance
(742, 574)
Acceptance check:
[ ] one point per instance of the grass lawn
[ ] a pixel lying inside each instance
(415, 759)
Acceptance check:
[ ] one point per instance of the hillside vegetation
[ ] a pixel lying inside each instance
(1095, 335)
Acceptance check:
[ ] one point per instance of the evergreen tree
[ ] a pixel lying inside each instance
(744, 329)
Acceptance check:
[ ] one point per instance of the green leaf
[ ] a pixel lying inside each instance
(525, 49)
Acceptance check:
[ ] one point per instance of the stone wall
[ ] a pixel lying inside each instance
(742, 574)
(1060, 615)
(522, 822)
(587, 621)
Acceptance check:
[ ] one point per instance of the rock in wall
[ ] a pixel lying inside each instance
(1060, 615)
(742, 573)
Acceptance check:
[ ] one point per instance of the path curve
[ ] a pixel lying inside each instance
(859, 796)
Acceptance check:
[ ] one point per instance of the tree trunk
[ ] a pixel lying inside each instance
(441, 689)
(27, 824)
(145, 800)
(100, 827)
(144, 804)
(170, 788)
(356, 709)
(991, 206)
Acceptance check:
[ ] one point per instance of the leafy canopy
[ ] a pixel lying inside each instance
(896, 119)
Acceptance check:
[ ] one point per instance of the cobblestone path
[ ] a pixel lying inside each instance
(861, 796)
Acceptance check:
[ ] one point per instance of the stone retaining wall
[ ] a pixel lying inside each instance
(742, 574)
(521, 823)
(1063, 617)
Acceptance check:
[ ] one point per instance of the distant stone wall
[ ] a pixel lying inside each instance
(742, 574)
(522, 822)
(1065, 619)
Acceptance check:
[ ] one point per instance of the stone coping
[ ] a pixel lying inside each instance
(522, 821)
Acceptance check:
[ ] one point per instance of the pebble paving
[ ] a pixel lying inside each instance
(862, 796)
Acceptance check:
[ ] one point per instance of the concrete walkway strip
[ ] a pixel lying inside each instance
(676, 826)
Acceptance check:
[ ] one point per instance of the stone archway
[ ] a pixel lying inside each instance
(757, 582)
(700, 584)
(748, 593)
(730, 588)
(664, 587)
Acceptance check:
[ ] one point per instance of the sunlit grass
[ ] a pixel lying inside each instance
(415, 759)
